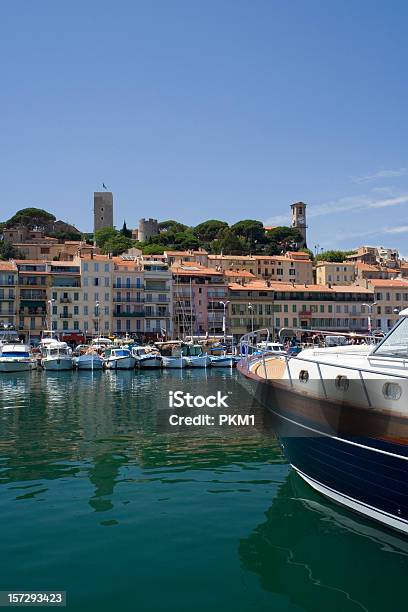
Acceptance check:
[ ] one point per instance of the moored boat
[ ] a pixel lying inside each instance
(16, 358)
(89, 361)
(342, 418)
(57, 356)
(119, 359)
(171, 354)
(146, 359)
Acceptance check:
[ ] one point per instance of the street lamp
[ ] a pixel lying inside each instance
(97, 315)
(251, 308)
(370, 311)
(224, 321)
(50, 302)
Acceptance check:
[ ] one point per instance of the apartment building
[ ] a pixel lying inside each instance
(158, 295)
(33, 295)
(334, 273)
(178, 257)
(8, 293)
(128, 296)
(291, 267)
(389, 297)
(65, 296)
(95, 304)
(197, 292)
(270, 305)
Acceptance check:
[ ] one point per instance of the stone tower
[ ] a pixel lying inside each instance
(299, 219)
(103, 210)
(147, 229)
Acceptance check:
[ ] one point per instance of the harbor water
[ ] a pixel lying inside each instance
(99, 499)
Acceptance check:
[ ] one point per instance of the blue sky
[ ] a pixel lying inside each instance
(224, 109)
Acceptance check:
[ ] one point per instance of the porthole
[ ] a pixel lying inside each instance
(303, 376)
(392, 391)
(342, 383)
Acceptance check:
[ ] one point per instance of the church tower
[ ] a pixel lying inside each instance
(299, 219)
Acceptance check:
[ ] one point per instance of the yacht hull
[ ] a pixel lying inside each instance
(17, 366)
(57, 364)
(121, 363)
(174, 362)
(151, 362)
(356, 457)
(89, 363)
(201, 361)
(223, 362)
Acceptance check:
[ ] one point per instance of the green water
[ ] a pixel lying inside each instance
(97, 501)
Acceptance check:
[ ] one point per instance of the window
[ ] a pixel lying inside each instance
(392, 391)
(96, 297)
(54, 310)
(96, 267)
(342, 383)
(96, 281)
(85, 267)
(106, 281)
(85, 311)
(65, 325)
(85, 325)
(54, 295)
(106, 310)
(85, 281)
(76, 310)
(293, 307)
(106, 267)
(106, 297)
(76, 325)
(292, 272)
(106, 325)
(85, 297)
(76, 296)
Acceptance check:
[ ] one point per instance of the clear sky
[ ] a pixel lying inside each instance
(198, 109)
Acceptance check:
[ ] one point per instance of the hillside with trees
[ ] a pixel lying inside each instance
(244, 237)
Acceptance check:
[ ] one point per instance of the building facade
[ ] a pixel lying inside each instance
(273, 306)
(8, 293)
(334, 273)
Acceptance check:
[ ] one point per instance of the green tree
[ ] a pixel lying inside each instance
(116, 244)
(153, 249)
(7, 251)
(32, 218)
(229, 243)
(125, 231)
(172, 226)
(105, 234)
(252, 232)
(209, 230)
(334, 256)
(282, 239)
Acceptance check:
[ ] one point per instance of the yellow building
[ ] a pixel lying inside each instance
(261, 304)
(334, 273)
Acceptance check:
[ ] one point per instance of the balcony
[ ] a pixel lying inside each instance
(32, 312)
(125, 300)
(65, 315)
(27, 294)
(66, 300)
(158, 315)
(4, 298)
(128, 287)
(129, 314)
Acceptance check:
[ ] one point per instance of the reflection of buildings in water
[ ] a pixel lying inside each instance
(104, 474)
(321, 557)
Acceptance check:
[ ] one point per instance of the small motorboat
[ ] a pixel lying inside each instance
(119, 359)
(89, 361)
(57, 356)
(223, 361)
(171, 354)
(146, 359)
(198, 361)
(16, 358)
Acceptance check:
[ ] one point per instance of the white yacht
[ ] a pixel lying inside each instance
(90, 360)
(56, 356)
(119, 359)
(171, 354)
(16, 358)
(146, 359)
(341, 414)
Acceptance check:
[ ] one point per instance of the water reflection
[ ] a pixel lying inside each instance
(304, 550)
